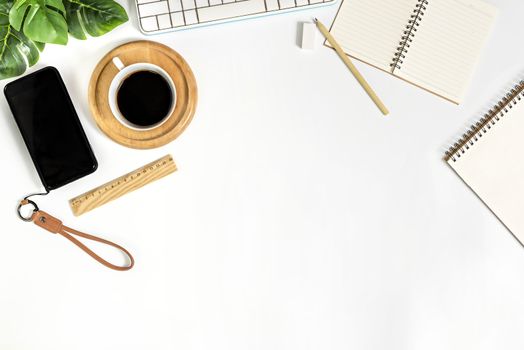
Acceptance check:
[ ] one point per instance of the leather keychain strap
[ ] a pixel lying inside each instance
(54, 225)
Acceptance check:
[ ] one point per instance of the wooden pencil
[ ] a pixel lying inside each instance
(352, 67)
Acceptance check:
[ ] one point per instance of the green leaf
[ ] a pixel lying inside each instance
(40, 20)
(94, 17)
(17, 51)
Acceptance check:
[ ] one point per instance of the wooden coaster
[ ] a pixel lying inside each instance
(143, 52)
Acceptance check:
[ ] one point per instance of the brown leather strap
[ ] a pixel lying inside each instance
(53, 225)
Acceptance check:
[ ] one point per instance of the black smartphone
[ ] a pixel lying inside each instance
(50, 128)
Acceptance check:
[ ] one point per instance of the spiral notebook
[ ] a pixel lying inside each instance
(434, 44)
(490, 159)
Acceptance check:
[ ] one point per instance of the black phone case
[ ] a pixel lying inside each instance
(76, 120)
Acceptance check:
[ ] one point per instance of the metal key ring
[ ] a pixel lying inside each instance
(26, 202)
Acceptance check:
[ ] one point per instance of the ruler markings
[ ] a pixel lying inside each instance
(120, 186)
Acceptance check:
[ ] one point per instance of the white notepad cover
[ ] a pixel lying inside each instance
(493, 166)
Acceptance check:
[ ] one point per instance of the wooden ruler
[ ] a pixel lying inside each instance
(123, 185)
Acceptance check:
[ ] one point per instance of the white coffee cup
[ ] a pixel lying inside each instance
(126, 71)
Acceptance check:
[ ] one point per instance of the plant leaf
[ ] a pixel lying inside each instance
(17, 51)
(40, 20)
(94, 17)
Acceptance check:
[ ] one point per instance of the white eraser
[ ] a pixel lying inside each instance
(309, 31)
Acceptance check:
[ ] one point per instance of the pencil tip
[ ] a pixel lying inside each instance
(315, 20)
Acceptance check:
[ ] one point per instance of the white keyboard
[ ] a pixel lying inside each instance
(157, 16)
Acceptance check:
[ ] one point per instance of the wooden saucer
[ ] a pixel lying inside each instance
(143, 52)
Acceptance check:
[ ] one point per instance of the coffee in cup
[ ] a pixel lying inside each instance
(142, 96)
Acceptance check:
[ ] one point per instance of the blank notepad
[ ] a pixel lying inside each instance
(434, 44)
(489, 158)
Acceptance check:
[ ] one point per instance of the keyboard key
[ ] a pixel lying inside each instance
(202, 3)
(302, 2)
(175, 5)
(315, 1)
(149, 24)
(145, 1)
(164, 21)
(272, 5)
(285, 4)
(154, 8)
(188, 4)
(231, 10)
(191, 17)
(215, 2)
(177, 18)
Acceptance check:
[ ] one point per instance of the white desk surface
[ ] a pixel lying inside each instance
(300, 218)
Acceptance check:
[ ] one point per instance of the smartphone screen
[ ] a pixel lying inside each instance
(50, 128)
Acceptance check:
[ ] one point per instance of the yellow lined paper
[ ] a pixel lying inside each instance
(371, 30)
(447, 46)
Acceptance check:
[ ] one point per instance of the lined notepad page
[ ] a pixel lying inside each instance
(370, 30)
(494, 169)
(447, 46)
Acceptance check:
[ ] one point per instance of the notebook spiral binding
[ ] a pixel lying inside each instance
(408, 34)
(481, 127)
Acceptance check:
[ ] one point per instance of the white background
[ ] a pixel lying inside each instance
(300, 218)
